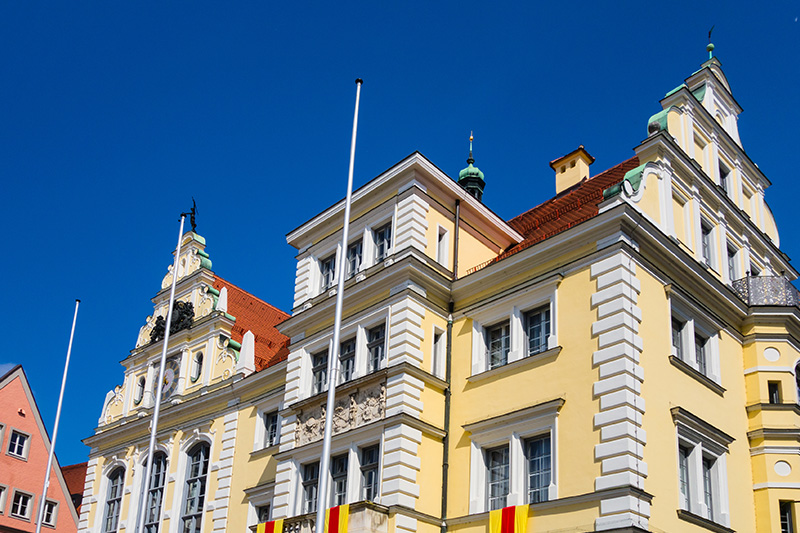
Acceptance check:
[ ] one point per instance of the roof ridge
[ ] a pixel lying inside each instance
(228, 283)
(567, 192)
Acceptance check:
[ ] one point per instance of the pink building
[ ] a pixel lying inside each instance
(24, 448)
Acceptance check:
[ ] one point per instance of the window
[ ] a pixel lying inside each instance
(113, 500)
(18, 445)
(195, 495)
(724, 176)
(50, 513)
(320, 371)
(197, 367)
(376, 340)
(271, 437)
(705, 240)
(339, 475)
(537, 455)
(512, 458)
(310, 479)
(327, 268)
(3, 490)
(369, 472)
(497, 344)
(683, 476)
(700, 353)
(787, 517)
(442, 247)
(262, 513)
(347, 359)
(774, 390)
(731, 262)
(354, 254)
(537, 326)
(696, 343)
(383, 241)
(137, 399)
(155, 496)
(497, 477)
(439, 355)
(702, 478)
(22, 505)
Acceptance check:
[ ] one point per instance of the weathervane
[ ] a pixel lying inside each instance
(192, 214)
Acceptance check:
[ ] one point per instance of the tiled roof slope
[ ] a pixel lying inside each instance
(259, 317)
(75, 477)
(567, 209)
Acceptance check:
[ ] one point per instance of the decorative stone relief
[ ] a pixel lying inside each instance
(144, 331)
(356, 409)
(206, 303)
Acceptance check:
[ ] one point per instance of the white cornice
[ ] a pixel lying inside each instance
(496, 227)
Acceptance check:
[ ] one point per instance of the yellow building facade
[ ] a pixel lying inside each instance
(620, 358)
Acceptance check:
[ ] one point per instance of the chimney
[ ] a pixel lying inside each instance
(572, 168)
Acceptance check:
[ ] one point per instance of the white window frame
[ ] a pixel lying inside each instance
(259, 496)
(694, 323)
(26, 447)
(736, 274)
(29, 509)
(375, 228)
(513, 308)
(512, 430)
(3, 490)
(54, 516)
(196, 371)
(269, 405)
(348, 273)
(141, 387)
(139, 471)
(703, 441)
(438, 352)
(443, 246)
(181, 490)
(711, 262)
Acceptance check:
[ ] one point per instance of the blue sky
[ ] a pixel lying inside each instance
(115, 114)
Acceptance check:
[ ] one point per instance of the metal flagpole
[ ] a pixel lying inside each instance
(42, 502)
(341, 255)
(160, 382)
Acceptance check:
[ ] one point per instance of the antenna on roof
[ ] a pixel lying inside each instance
(710, 45)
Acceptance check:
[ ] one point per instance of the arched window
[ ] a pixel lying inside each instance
(195, 495)
(155, 496)
(114, 500)
(197, 367)
(139, 390)
(797, 379)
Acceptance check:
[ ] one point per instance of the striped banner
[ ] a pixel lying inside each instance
(336, 519)
(513, 519)
(276, 526)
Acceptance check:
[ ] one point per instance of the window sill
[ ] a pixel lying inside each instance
(18, 457)
(269, 450)
(703, 522)
(691, 372)
(517, 365)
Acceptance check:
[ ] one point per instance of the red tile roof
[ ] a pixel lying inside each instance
(258, 316)
(74, 477)
(567, 209)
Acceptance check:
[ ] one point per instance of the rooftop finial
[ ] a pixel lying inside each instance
(470, 159)
(710, 46)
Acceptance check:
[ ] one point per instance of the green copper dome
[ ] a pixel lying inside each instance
(471, 171)
(471, 178)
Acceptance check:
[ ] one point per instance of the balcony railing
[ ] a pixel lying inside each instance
(365, 517)
(767, 290)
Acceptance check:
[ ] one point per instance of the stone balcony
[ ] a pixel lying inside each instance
(767, 290)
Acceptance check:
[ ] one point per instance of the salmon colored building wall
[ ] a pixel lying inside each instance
(18, 412)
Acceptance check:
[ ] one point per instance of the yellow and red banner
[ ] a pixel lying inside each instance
(276, 526)
(513, 519)
(336, 519)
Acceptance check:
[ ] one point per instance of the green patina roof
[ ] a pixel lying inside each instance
(700, 93)
(470, 172)
(660, 118)
(633, 176)
(676, 89)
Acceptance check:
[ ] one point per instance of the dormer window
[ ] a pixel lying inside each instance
(327, 269)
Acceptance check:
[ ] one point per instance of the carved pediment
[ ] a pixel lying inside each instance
(359, 407)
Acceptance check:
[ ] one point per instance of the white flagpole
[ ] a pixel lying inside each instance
(42, 502)
(159, 388)
(333, 367)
